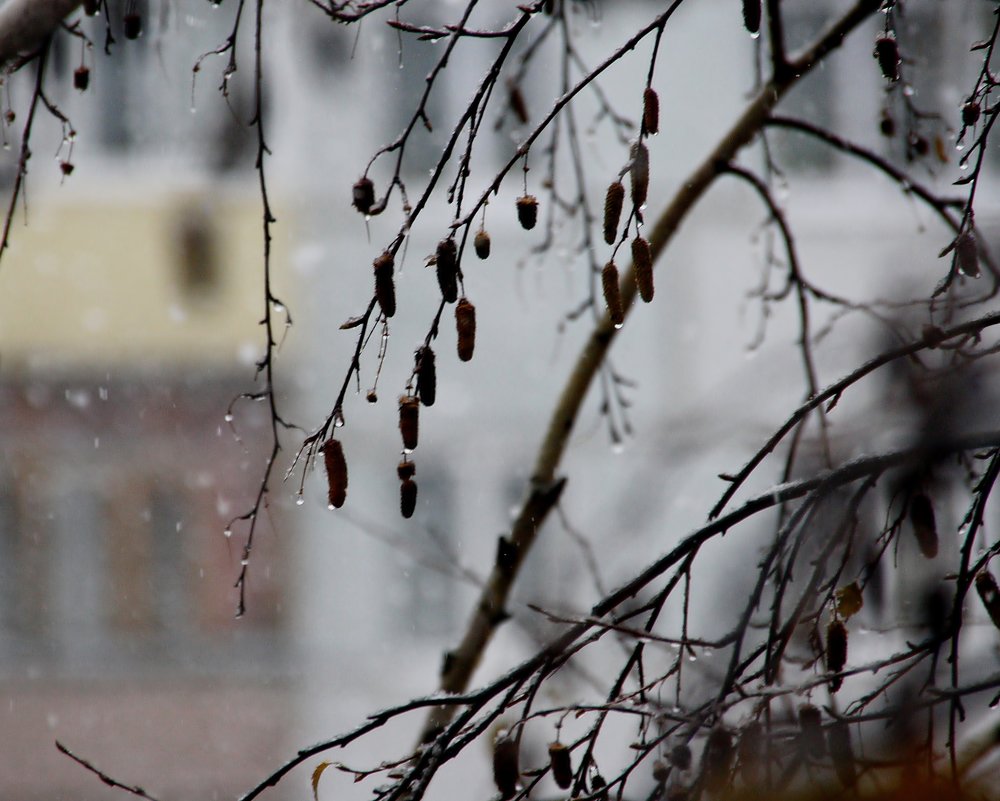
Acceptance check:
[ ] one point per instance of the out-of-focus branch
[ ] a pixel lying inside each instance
(488, 610)
(24, 24)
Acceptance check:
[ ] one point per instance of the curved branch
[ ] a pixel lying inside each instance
(24, 24)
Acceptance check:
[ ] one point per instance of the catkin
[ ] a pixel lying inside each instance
(613, 211)
(924, 526)
(426, 376)
(561, 764)
(407, 497)
(527, 211)
(836, 653)
(363, 195)
(481, 243)
(639, 174)
(465, 325)
(409, 419)
(887, 54)
(506, 770)
(642, 259)
(447, 269)
(612, 293)
(651, 110)
(967, 254)
(336, 472)
(751, 15)
(385, 289)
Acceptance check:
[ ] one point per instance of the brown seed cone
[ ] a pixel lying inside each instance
(385, 289)
(970, 113)
(363, 195)
(561, 764)
(613, 211)
(751, 15)
(527, 211)
(811, 722)
(838, 738)
(405, 470)
(651, 110)
(639, 174)
(836, 653)
(967, 254)
(132, 26)
(612, 293)
(989, 594)
(336, 472)
(426, 376)
(81, 78)
(924, 527)
(409, 421)
(465, 325)
(887, 54)
(642, 258)
(408, 497)
(447, 269)
(482, 243)
(600, 787)
(506, 769)
(717, 760)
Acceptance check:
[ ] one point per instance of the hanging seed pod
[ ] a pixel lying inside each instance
(751, 15)
(989, 594)
(924, 527)
(887, 125)
(970, 113)
(967, 254)
(639, 174)
(613, 211)
(561, 764)
(81, 78)
(717, 760)
(447, 269)
(642, 259)
(405, 470)
(836, 653)
(505, 766)
(612, 293)
(680, 756)
(336, 472)
(650, 111)
(408, 497)
(482, 243)
(465, 325)
(385, 289)
(887, 54)
(751, 753)
(409, 420)
(838, 739)
(527, 211)
(599, 787)
(132, 25)
(363, 195)
(811, 723)
(426, 376)
(372, 396)
(660, 772)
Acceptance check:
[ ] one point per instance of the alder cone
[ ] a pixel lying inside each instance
(481, 243)
(639, 174)
(561, 764)
(651, 110)
(527, 211)
(465, 325)
(385, 289)
(613, 202)
(612, 293)
(447, 269)
(887, 54)
(409, 421)
(363, 195)
(989, 594)
(426, 376)
(407, 497)
(506, 769)
(642, 258)
(836, 653)
(81, 78)
(405, 470)
(924, 526)
(752, 15)
(336, 472)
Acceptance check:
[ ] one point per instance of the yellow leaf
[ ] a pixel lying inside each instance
(849, 600)
(316, 776)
